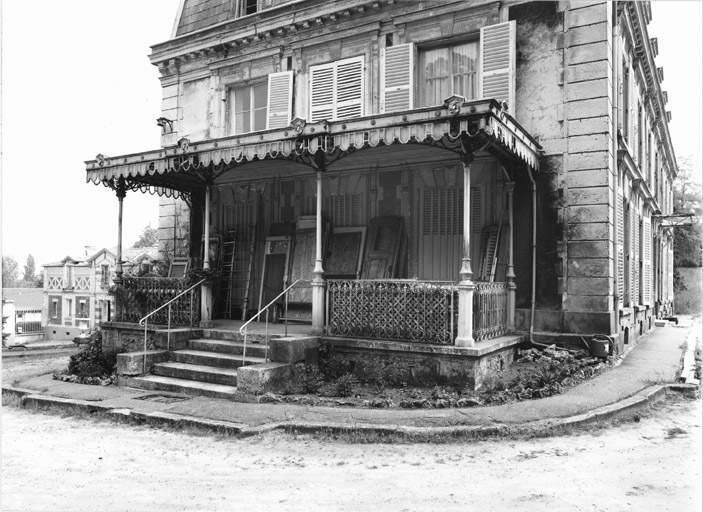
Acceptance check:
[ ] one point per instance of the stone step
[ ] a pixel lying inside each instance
(219, 360)
(209, 374)
(227, 347)
(187, 387)
(215, 334)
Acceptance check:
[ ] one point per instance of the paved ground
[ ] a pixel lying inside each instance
(641, 377)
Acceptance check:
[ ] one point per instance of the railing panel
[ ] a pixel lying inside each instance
(402, 310)
(490, 318)
(138, 296)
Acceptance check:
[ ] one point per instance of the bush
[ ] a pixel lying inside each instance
(92, 360)
(312, 380)
(346, 385)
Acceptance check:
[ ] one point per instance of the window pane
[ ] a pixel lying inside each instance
(241, 122)
(260, 92)
(259, 119)
(242, 99)
(435, 79)
(464, 60)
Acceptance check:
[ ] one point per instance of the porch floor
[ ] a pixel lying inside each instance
(481, 348)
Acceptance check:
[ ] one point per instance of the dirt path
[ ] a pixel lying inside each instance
(69, 464)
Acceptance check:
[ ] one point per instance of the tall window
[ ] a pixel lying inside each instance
(250, 109)
(449, 70)
(625, 102)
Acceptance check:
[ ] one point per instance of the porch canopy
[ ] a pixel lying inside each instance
(186, 169)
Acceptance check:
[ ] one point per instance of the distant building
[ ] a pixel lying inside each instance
(23, 307)
(76, 297)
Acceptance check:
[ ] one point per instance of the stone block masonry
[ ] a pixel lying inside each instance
(588, 168)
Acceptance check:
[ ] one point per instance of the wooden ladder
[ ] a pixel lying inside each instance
(227, 276)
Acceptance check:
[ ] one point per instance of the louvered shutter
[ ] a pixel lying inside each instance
(620, 247)
(632, 135)
(670, 272)
(476, 205)
(647, 260)
(350, 88)
(397, 78)
(634, 257)
(280, 100)
(337, 90)
(322, 92)
(498, 63)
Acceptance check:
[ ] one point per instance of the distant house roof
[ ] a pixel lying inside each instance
(79, 261)
(25, 298)
(140, 254)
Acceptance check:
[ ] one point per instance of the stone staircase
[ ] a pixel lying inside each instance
(206, 367)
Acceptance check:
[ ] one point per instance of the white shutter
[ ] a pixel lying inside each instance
(632, 136)
(280, 100)
(397, 78)
(350, 88)
(670, 272)
(620, 247)
(337, 90)
(322, 92)
(647, 260)
(498, 63)
(634, 256)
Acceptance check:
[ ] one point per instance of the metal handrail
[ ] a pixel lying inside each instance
(244, 331)
(168, 326)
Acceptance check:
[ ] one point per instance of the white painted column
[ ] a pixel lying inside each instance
(465, 336)
(121, 192)
(206, 288)
(510, 272)
(318, 283)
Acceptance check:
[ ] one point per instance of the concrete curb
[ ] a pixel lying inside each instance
(641, 400)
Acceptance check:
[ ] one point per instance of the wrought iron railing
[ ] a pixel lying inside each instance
(393, 309)
(244, 329)
(490, 318)
(167, 308)
(28, 321)
(138, 296)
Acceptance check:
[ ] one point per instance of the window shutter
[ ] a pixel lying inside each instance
(498, 63)
(632, 136)
(476, 205)
(337, 90)
(670, 272)
(350, 88)
(397, 78)
(634, 258)
(322, 92)
(280, 100)
(620, 247)
(647, 260)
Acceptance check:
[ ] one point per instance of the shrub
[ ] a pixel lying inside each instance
(346, 385)
(92, 360)
(312, 380)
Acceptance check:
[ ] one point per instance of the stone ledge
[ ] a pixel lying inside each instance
(260, 378)
(480, 349)
(132, 363)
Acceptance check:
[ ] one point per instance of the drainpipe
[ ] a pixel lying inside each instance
(534, 253)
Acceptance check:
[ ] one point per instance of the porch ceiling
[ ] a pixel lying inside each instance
(466, 128)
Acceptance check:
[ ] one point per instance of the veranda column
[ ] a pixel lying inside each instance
(510, 273)
(121, 191)
(206, 288)
(465, 336)
(318, 283)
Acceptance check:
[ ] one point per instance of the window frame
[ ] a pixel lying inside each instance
(232, 105)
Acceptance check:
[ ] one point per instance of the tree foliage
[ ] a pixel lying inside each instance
(29, 270)
(149, 237)
(688, 250)
(10, 274)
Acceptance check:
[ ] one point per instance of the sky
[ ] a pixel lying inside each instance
(77, 81)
